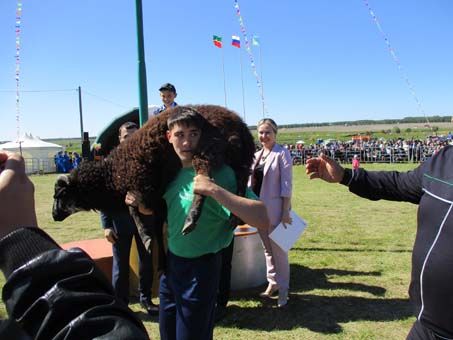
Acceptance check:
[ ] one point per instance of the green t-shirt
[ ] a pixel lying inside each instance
(212, 232)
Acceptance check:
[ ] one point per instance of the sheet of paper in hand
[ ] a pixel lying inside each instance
(285, 237)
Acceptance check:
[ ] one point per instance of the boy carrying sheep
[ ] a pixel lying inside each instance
(188, 287)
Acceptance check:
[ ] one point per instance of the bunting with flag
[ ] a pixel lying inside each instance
(236, 41)
(396, 59)
(250, 53)
(217, 41)
(18, 29)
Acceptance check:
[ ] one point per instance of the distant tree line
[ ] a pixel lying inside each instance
(431, 119)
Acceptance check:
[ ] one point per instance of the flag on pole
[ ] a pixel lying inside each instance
(217, 41)
(236, 41)
(256, 40)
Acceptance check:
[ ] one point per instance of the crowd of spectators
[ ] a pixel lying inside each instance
(377, 150)
(373, 151)
(66, 161)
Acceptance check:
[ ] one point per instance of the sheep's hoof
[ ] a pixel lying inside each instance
(188, 227)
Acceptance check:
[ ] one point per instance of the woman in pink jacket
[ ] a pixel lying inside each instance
(271, 180)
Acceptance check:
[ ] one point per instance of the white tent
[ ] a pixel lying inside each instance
(38, 154)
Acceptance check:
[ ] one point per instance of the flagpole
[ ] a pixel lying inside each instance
(142, 85)
(224, 81)
(242, 83)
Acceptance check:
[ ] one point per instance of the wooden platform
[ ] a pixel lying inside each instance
(100, 250)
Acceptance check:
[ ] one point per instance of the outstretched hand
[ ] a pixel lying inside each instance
(17, 203)
(324, 168)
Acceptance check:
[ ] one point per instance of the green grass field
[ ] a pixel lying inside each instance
(350, 270)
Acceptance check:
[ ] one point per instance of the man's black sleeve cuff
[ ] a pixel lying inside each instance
(347, 177)
(22, 245)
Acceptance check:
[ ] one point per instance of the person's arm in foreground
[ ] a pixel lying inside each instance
(17, 208)
(51, 293)
(324, 168)
(374, 185)
(252, 212)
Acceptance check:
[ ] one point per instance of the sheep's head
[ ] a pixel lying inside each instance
(89, 187)
(67, 199)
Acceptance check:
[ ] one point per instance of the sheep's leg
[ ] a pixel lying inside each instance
(234, 221)
(161, 255)
(201, 166)
(194, 214)
(150, 227)
(158, 232)
(144, 231)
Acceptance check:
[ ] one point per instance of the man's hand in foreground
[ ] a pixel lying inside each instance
(17, 203)
(324, 168)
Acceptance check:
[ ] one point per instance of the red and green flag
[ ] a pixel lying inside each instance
(217, 41)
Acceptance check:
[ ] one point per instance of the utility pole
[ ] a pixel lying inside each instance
(80, 112)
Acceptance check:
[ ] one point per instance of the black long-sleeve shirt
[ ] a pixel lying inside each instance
(51, 293)
(431, 187)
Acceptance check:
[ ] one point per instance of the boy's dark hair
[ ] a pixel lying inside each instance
(127, 126)
(168, 87)
(186, 116)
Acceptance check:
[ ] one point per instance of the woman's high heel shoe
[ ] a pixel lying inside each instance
(270, 291)
(282, 298)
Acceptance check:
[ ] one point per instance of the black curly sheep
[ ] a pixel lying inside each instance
(146, 163)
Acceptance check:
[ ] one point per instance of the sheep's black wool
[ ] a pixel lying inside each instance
(146, 163)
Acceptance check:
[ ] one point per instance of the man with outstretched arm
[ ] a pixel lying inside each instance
(430, 186)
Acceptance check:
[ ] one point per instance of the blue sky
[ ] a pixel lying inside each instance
(322, 60)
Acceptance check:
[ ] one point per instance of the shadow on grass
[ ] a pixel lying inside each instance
(306, 279)
(140, 313)
(322, 314)
(372, 250)
(143, 316)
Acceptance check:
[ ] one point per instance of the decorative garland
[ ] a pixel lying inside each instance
(249, 52)
(396, 59)
(17, 57)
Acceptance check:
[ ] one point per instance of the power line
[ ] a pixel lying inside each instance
(104, 99)
(67, 90)
(61, 90)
